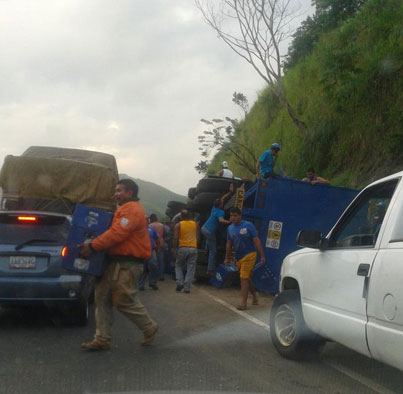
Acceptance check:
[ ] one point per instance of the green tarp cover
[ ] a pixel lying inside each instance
(54, 179)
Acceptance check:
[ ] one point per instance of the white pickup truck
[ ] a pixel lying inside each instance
(348, 286)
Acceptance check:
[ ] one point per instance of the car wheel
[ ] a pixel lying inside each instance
(78, 313)
(289, 333)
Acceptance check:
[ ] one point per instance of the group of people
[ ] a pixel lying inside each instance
(134, 249)
(266, 165)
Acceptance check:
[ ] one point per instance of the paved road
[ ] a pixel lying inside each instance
(203, 345)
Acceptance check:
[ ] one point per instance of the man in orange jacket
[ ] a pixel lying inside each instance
(127, 246)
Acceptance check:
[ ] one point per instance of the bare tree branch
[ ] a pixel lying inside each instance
(255, 30)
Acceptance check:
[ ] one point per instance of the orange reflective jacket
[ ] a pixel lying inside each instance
(128, 235)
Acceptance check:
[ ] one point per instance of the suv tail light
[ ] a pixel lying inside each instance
(63, 252)
(30, 219)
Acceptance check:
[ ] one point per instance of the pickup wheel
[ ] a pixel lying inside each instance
(289, 333)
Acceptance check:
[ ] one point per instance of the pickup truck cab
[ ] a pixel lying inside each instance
(347, 286)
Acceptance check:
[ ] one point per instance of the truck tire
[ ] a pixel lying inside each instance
(192, 193)
(176, 205)
(216, 184)
(289, 333)
(206, 198)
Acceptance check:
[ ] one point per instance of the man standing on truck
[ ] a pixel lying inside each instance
(313, 179)
(185, 250)
(225, 172)
(243, 237)
(210, 227)
(127, 246)
(267, 161)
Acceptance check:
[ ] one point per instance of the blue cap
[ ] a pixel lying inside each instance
(275, 145)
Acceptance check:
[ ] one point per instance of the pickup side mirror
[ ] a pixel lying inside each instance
(310, 239)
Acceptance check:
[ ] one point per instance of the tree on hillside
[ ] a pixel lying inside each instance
(241, 101)
(255, 30)
(222, 134)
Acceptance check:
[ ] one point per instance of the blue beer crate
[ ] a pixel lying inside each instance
(224, 275)
(87, 224)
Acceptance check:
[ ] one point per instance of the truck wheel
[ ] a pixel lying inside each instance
(176, 205)
(289, 333)
(216, 184)
(206, 198)
(192, 192)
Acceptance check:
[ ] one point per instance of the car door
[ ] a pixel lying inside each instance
(385, 293)
(335, 303)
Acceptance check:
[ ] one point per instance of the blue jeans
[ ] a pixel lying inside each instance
(160, 260)
(150, 269)
(185, 259)
(211, 245)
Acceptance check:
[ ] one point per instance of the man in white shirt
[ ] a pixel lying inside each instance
(225, 172)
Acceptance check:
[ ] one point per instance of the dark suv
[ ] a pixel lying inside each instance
(32, 245)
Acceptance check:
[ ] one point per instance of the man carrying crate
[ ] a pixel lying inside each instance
(127, 246)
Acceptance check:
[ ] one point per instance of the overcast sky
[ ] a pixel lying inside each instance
(130, 77)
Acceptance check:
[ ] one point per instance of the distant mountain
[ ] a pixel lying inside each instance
(153, 197)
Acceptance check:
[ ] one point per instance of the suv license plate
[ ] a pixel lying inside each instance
(22, 262)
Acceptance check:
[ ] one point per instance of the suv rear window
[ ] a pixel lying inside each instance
(23, 227)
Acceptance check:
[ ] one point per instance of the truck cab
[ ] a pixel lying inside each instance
(346, 286)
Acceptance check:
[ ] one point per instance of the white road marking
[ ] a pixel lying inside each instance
(241, 313)
(360, 379)
(345, 371)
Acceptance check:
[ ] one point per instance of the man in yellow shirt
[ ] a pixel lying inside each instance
(185, 250)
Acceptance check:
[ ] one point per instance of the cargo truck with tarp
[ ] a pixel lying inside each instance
(54, 179)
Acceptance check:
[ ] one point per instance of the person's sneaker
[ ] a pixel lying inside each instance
(186, 291)
(154, 287)
(179, 287)
(150, 335)
(95, 345)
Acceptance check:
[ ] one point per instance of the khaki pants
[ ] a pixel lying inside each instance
(117, 287)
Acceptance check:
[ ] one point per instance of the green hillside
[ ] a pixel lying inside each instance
(153, 197)
(347, 87)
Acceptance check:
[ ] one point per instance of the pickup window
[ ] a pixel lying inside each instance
(361, 224)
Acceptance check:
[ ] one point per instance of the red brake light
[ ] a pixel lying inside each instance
(27, 218)
(64, 251)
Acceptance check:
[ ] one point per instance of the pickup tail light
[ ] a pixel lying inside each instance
(64, 251)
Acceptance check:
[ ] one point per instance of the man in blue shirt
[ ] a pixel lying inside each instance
(210, 227)
(151, 265)
(243, 237)
(267, 161)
